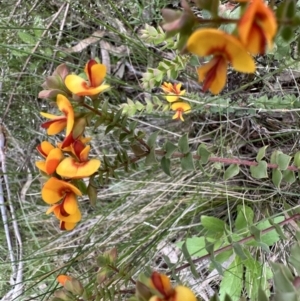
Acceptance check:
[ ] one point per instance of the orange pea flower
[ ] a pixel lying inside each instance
(225, 49)
(165, 292)
(180, 108)
(172, 91)
(95, 73)
(257, 27)
(58, 123)
(67, 211)
(78, 167)
(55, 190)
(52, 155)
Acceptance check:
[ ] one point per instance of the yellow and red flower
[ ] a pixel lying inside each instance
(165, 292)
(180, 108)
(172, 91)
(53, 156)
(55, 190)
(257, 27)
(78, 166)
(225, 49)
(95, 73)
(67, 211)
(58, 123)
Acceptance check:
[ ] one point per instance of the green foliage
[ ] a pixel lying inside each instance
(244, 270)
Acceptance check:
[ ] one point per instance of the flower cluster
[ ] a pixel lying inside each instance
(173, 93)
(254, 32)
(165, 292)
(157, 288)
(68, 161)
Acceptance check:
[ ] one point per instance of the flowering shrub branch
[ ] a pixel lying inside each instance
(68, 165)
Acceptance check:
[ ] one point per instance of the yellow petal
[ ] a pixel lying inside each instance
(55, 126)
(44, 148)
(257, 42)
(183, 106)
(267, 21)
(257, 27)
(93, 91)
(53, 159)
(205, 42)
(79, 86)
(54, 190)
(97, 75)
(41, 165)
(65, 106)
(72, 218)
(213, 74)
(70, 203)
(49, 116)
(84, 154)
(67, 226)
(183, 293)
(71, 169)
(167, 87)
(246, 21)
(171, 98)
(75, 83)
(178, 115)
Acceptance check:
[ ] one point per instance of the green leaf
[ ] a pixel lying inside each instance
(183, 144)
(232, 282)
(189, 260)
(170, 148)
(291, 9)
(187, 162)
(213, 224)
(195, 246)
(289, 176)
(27, 38)
(294, 258)
(255, 232)
(92, 193)
(104, 107)
(261, 153)
(276, 177)
(283, 161)
(297, 156)
(244, 217)
(165, 165)
(203, 153)
(151, 141)
(283, 278)
(274, 155)
(259, 171)
(151, 158)
(269, 238)
(278, 229)
(231, 171)
(239, 250)
(223, 256)
(287, 33)
(261, 294)
(256, 275)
